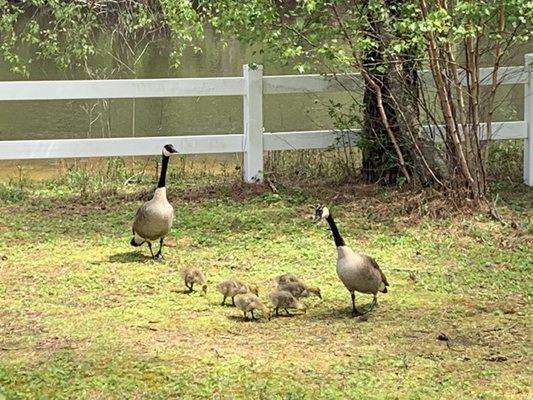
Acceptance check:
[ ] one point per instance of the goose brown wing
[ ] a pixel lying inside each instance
(376, 266)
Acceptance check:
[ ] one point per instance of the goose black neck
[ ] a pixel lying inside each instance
(339, 241)
(163, 175)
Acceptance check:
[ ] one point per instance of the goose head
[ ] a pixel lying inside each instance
(169, 149)
(321, 213)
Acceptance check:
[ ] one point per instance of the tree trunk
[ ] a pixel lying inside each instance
(399, 85)
(380, 165)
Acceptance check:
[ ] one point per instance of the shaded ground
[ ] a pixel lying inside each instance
(84, 315)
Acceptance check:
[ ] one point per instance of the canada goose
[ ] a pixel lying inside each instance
(233, 287)
(249, 302)
(191, 276)
(358, 272)
(154, 218)
(300, 289)
(284, 299)
(286, 278)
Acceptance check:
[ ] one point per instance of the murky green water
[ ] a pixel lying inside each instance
(159, 117)
(177, 116)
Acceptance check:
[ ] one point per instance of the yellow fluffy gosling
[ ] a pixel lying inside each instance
(191, 276)
(285, 300)
(286, 278)
(300, 289)
(248, 303)
(233, 287)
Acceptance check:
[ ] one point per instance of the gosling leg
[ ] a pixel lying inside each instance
(191, 289)
(287, 311)
(233, 300)
(223, 301)
(252, 312)
(277, 311)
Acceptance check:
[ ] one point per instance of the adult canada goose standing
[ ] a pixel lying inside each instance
(154, 218)
(358, 272)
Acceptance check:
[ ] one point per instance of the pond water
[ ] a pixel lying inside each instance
(175, 116)
(158, 117)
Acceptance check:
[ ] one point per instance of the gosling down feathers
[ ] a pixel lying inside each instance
(284, 300)
(191, 276)
(286, 278)
(233, 287)
(154, 218)
(248, 303)
(300, 289)
(358, 272)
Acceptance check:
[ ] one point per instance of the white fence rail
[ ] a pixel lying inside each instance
(252, 86)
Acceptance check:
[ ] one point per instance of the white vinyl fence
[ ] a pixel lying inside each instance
(253, 142)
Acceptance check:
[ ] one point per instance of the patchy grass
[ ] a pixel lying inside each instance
(84, 315)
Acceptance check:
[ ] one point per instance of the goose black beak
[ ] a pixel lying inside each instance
(171, 149)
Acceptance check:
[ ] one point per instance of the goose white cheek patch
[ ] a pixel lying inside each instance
(166, 152)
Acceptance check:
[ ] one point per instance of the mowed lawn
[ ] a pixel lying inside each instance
(85, 315)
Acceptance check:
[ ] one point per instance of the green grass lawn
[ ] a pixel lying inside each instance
(85, 315)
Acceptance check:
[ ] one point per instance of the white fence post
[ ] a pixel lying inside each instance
(528, 118)
(253, 123)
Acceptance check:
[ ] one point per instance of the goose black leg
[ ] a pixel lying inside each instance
(355, 313)
(151, 250)
(375, 301)
(159, 254)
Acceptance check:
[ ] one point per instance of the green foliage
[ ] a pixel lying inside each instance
(68, 32)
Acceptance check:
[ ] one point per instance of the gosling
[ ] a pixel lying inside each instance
(233, 287)
(300, 289)
(283, 299)
(286, 278)
(191, 276)
(249, 302)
